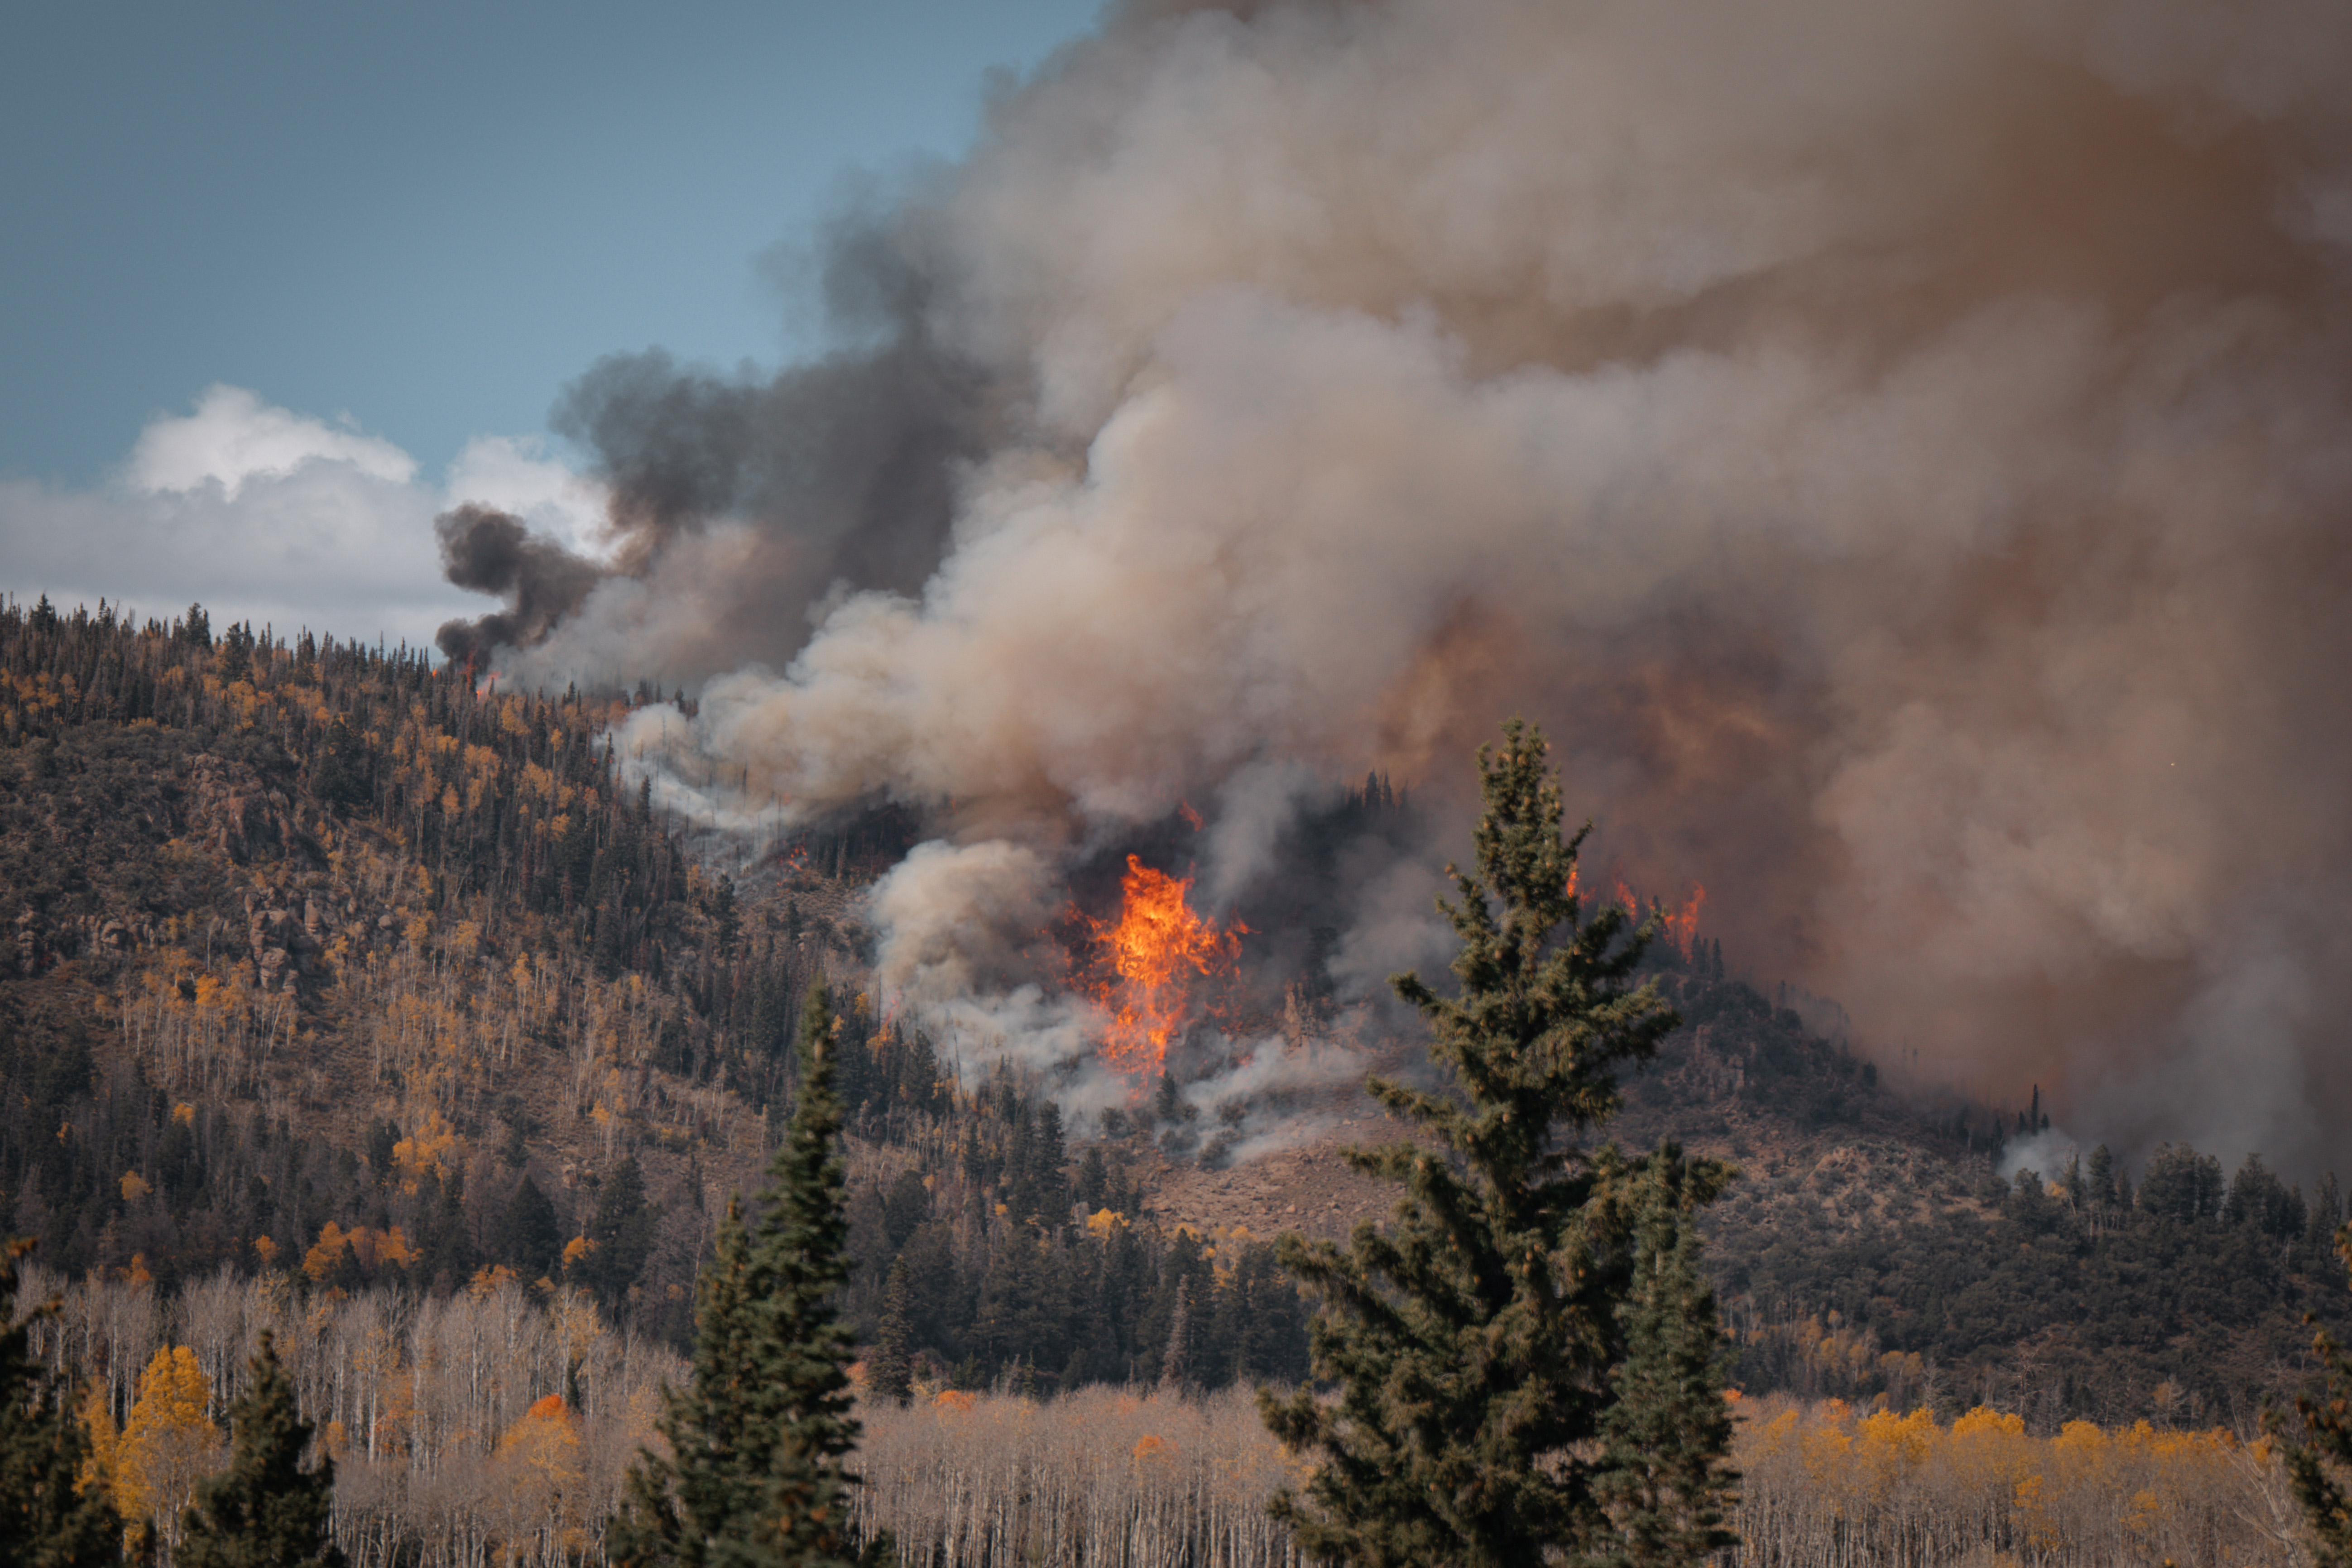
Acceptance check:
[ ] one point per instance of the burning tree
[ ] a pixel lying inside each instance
(1149, 963)
(1527, 1286)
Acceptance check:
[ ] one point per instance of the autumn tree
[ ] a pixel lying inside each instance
(46, 1519)
(168, 1444)
(758, 1469)
(1471, 1341)
(265, 1511)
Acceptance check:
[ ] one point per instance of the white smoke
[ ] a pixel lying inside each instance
(1898, 450)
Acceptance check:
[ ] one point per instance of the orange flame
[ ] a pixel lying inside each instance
(1678, 926)
(1150, 965)
(1682, 925)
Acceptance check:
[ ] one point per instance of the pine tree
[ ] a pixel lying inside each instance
(891, 1371)
(2319, 1467)
(265, 1511)
(44, 1521)
(1664, 1482)
(758, 1474)
(1473, 1340)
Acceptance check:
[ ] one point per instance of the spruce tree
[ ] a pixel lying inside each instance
(758, 1473)
(265, 1511)
(1664, 1482)
(44, 1521)
(891, 1371)
(1473, 1340)
(2319, 1467)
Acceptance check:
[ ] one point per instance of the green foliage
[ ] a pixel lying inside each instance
(1472, 1342)
(44, 1521)
(2319, 1467)
(1663, 1482)
(265, 1511)
(760, 1442)
(528, 1232)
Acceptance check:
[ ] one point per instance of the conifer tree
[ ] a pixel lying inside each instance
(758, 1474)
(265, 1511)
(681, 1508)
(2319, 1467)
(1664, 1482)
(44, 1521)
(1473, 1340)
(891, 1371)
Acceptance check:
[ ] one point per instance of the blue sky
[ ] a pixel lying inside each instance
(428, 217)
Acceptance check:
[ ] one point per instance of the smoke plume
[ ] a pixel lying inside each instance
(1899, 451)
(492, 552)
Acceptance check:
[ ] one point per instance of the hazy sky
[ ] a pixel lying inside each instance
(413, 223)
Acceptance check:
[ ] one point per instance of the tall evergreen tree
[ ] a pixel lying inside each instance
(891, 1371)
(685, 1508)
(265, 1511)
(44, 1521)
(1664, 1481)
(1471, 1341)
(759, 1474)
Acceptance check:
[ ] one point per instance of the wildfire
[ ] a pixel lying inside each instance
(1679, 926)
(1149, 965)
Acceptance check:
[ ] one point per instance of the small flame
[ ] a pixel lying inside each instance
(1150, 965)
(1191, 818)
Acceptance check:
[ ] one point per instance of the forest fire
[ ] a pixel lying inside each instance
(1149, 965)
(1678, 926)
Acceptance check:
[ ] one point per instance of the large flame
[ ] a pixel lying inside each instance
(1150, 965)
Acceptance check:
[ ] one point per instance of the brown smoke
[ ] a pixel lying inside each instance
(1898, 450)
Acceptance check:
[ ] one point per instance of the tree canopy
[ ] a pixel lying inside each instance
(1473, 1340)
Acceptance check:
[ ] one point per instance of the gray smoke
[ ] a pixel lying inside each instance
(492, 552)
(1899, 451)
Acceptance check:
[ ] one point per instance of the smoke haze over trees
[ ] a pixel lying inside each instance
(1943, 407)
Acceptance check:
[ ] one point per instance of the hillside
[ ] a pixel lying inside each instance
(328, 962)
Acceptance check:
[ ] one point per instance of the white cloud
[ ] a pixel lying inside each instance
(515, 474)
(233, 437)
(264, 514)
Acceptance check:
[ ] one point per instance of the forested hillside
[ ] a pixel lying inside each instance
(332, 965)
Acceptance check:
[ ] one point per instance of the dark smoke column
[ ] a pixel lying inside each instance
(490, 552)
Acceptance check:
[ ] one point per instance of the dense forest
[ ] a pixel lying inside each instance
(344, 983)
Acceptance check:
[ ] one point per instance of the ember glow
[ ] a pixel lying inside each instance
(1152, 967)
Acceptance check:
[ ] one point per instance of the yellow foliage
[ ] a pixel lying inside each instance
(185, 1115)
(167, 1444)
(133, 1189)
(265, 1249)
(954, 1401)
(429, 1150)
(487, 1281)
(578, 1247)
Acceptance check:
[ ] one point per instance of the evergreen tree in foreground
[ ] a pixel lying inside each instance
(1664, 1482)
(265, 1511)
(1473, 1340)
(45, 1522)
(2320, 1467)
(757, 1474)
